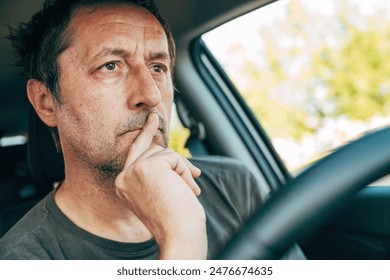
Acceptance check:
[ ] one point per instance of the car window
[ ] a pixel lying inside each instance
(314, 74)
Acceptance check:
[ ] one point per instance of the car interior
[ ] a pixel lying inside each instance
(301, 209)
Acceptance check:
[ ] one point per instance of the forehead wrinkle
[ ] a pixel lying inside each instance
(147, 35)
(156, 36)
(151, 36)
(110, 52)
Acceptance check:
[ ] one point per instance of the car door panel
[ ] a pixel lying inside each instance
(360, 231)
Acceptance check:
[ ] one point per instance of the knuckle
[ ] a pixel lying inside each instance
(170, 150)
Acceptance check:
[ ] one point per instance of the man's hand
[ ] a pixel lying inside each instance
(158, 186)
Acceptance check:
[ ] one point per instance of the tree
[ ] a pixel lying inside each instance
(356, 75)
(314, 66)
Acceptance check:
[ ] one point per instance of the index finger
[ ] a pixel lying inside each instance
(144, 139)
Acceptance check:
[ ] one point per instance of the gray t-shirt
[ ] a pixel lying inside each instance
(230, 193)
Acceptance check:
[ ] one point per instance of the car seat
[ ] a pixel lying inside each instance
(46, 166)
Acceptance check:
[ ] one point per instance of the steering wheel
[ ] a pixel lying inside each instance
(308, 201)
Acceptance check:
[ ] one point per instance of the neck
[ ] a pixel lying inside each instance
(88, 198)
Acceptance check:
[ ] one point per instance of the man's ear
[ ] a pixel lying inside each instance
(42, 101)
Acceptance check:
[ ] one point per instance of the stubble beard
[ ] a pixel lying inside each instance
(108, 161)
(114, 164)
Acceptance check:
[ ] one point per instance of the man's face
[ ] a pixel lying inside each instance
(113, 74)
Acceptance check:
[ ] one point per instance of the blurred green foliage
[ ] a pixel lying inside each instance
(311, 66)
(357, 75)
(314, 66)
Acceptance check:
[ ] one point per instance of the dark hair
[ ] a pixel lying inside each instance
(40, 42)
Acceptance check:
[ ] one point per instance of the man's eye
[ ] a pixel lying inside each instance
(110, 66)
(159, 68)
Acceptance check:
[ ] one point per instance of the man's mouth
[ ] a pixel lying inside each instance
(138, 130)
(137, 123)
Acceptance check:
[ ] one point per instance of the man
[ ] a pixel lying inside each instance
(100, 76)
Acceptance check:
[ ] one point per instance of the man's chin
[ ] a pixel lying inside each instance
(116, 165)
(109, 172)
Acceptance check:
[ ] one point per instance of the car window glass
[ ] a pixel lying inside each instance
(314, 74)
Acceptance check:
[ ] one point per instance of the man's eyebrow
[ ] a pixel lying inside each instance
(124, 53)
(159, 55)
(110, 52)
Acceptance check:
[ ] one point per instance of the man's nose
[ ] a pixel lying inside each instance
(143, 90)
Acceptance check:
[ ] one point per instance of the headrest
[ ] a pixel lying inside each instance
(46, 164)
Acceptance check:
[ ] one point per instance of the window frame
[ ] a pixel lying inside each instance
(240, 115)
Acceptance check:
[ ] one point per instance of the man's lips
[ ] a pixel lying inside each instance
(138, 129)
(137, 123)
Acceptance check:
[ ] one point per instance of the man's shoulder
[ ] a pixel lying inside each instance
(21, 246)
(230, 194)
(216, 161)
(19, 242)
(217, 165)
(228, 175)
